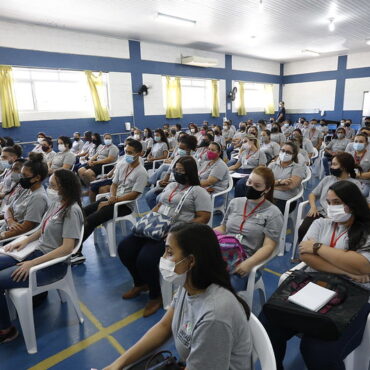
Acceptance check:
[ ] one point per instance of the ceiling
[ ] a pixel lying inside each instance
(279, 32)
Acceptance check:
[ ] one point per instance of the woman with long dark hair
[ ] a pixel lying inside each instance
(208, 321)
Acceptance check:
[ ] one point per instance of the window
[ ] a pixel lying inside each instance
(254, 96)
(42, 90)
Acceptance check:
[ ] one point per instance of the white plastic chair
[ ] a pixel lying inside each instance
(21, 298)
(104, 169)
(17, 236)
(262, 347)
(315, 153)
(110, 226)
(222, 207)
(298, 223)
(308, 173)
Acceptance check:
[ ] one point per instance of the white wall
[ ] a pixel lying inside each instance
(32, 37)
(358, 60)
(255, 65)
(172, 54)
(354, 92)
(311, 65)
(308, 97)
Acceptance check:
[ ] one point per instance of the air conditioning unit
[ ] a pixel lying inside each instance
(199, 61)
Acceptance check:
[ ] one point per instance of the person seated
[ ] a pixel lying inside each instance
(77, 144)
(303, 157)
(361, 154)
(141, 255)
(237, 139)
(220, 337)
(9, 155)
(287, 128)
(201, 152)
(342, 168)
(323, 127)
(47, 149)
(59, 232)
(340, 245)
(159, 151)
(218, 138)
(276, 134)
(40, 137)
(14, 178)
(253, 130)
(105, 154)
(337, 145)
(307, 145)
(228, 132)
(256, 221)
(269, 147)
(187, 146)
(87, 150)
(138, 135)
(129, 181)
(63, 158)
(313, 134)
(350, 132)
(148, 139)
(172, 142)
(193, 130)
(25, 213)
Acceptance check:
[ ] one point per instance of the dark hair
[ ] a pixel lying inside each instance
(49, 140)
(277, 126)
(200, 241)
(37, 165)
(69, 186)
(178, 126)
(97, 138)
(364, 135)
(262, 121)
(191, 169)
(41, 134)
(190, 141)
(135, 144)
(163, 135)
(193, 125)
(66, 141)
(9, 141)
(351, 196)
(254, 129)
(298, 130)
(339, 129)
(150, 133)
(87, 134)
(295, 150)
(268, 132)
(347, 162)
(108, 134)
(15, 150)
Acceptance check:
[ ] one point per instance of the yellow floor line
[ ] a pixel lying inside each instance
(272, 271)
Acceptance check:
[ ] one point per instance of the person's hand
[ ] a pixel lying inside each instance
(163, 183)
(285, 182)
(313, 212)
(103, 204)
(112, 199)
(243, 269)
(16, 226)
(365, 278)
(210, 190)
(306, 246)
(15, 246)
(11, 222)
(22, 272)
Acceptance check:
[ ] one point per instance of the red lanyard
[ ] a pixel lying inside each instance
(246, 216)
(334, 240)
(208, 165)
(203, 152)
(48, 218)
(127, 173)
(358, 159)
(249, 155)
(174, 191)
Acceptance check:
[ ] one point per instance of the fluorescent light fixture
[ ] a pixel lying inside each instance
(311, 52)
(172, 19)
(331, 24)
(367, 41)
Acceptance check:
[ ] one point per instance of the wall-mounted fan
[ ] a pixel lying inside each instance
(143, 90)
(232, 93)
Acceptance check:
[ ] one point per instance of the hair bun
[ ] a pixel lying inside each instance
(36, 157)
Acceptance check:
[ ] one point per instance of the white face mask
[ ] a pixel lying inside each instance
(137, 137)
(192, 130)
(53, 195)
(40, 140)
(61, 147)
(167, 269)
(284, 157)
(107, 141)
(337, 213)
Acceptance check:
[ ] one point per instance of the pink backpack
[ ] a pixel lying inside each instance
(232, 251)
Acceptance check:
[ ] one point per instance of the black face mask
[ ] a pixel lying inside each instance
(217, 132)
(347, 124)
(242, 128)
(204, 143)
(252, 193)
(76, 139)
(274, 130)
(173, 132)
(181, 178)
(26, 183)
(271, 120)
(45, 148)
(336, 171)
(95, 141)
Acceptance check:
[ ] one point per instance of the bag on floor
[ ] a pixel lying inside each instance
(160, 360)
(331, 320)
(155, 225)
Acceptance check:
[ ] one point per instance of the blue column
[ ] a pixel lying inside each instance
(228, 83)
(281, 82)
(339, 91)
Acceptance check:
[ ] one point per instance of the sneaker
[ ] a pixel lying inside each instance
(135, 291)
(152, 307)
(11, 335)
(77, 259)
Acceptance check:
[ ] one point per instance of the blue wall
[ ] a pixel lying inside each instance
(136, 66)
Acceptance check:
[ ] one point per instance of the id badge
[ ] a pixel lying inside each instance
(166, 210)
(239, 237)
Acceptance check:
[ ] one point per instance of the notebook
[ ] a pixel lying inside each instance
(312, 296)
(23, 253)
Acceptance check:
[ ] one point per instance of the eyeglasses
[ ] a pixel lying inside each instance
(285, 151)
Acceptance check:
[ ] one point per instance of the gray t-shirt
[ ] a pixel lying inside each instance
(211, 330)
(364, 161)
(59, 225)
(278, 138)
(228, 134)
(294, 169)
(322, 188)
(267, 220)
(337, 145)
(219, 170)
(201, 155)
(62, 158)
(307, 146)
(252, 160)
(271, 150)
(49, 156)
(148, 143)
(219, 139)
(197, 200)
(105, 151)
(77, 146)
(158, 149)
(313, 135)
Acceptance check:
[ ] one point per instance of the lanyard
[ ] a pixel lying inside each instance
(174, 191)
(127, 173)
(246, 216)
(249, 155)
(209, 164)
(334, 240)
(48, 218)
(358, 158)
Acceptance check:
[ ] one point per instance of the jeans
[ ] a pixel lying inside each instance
(44, 276)
(305, 225)
(318, 354)
(326, 163)
(240, 184)
(157, 175)
(231, 162)
(239, 283)
(151, 197)
(141, 257)
(229, 150)
(96, 185)
(280, 203)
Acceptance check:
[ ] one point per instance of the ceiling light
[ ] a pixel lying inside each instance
(260, 7)
(331, 24)
(311, 52)
(172, 19)
(367, 41)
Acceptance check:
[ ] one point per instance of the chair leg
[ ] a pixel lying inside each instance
(111, 236)
(260, 286)
(62, 296)
(95, 237)
(11, 308)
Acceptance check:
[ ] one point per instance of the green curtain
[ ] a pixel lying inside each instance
(96, 83)
(173, 94)
(215, 104)
(241, 107)
(269, 99)
(9, 111)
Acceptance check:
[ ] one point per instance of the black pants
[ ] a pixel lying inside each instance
(95, 217)
(318, 354)
(280, 203)
(141, 257)
(307, 222)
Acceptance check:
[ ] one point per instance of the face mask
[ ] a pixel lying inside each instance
(337, 213)
(226, 127)
(181, 152)
(347, 124)
(342, 123)
(265, 139)
(271, 120)
(217, 132)
(242, 128)
(76, 139)
(336, 171)
(137, 137)
(145, 134)
(5, 164)
(129, 158)
(45, 148)
(192, 130)
(340, 136)
(40, 140)
(53, 195)
(274, 130)
(284, 157)
(204, 143)
(107, 141)
(358, 146)
(95, 142)
(167, 269)
(252, 193)
(26, 183)
(212, 155)
(202, 132)
(157, 138)
(181, 178)
(61, 147)
(173, 132)
(286, 125)
(15, 177)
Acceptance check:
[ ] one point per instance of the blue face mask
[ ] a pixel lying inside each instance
(181, 152)
(157, 138)
(5, 164)
(358, 146)
(129, 158)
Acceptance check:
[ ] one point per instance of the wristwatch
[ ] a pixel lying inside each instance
(316, 248)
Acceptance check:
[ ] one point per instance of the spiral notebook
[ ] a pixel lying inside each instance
(23, 253)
